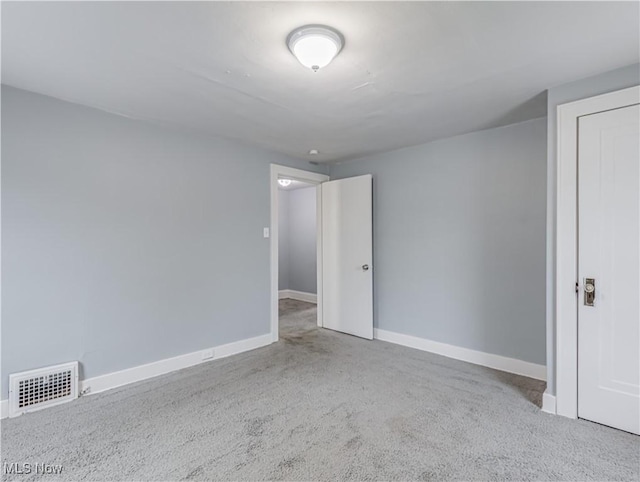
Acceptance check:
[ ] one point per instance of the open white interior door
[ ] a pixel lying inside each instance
(609, 268)
(347, 256)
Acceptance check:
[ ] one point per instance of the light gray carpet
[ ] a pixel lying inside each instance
(320, 405)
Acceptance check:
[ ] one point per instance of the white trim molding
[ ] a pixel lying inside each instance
(91, 386)
(497, 362)
(278, 171)
(168, 365)
(566, 311)
(298, 295)
(548, 403)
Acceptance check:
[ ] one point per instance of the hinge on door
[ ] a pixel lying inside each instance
(577, 287)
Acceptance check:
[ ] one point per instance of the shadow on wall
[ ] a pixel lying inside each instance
(534, 108)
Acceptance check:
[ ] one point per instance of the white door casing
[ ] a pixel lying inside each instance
(565, 300)
(609, 253)
(347, 258)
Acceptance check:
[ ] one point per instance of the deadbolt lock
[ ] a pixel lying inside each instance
(589, 291)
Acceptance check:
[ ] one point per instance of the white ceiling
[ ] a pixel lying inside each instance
(295, 185)
(409, 73)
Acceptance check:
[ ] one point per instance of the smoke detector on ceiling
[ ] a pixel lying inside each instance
(315, 46)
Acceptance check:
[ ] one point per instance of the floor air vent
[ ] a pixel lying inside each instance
(41, 388)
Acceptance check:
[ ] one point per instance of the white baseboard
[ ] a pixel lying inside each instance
(298, 295)
(548, 403)
(490, 360)
(150, 370)
(94, 385)
(161, 367)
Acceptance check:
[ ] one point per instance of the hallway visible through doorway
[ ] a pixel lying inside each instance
(297, 253)
(297, 319)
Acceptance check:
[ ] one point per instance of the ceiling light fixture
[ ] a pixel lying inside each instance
(315, 45)
(284, 182)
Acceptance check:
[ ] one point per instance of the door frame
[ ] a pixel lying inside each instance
(278, 171)
(566, 265)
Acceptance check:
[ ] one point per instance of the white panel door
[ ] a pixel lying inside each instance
(347, 255)
(609, 253)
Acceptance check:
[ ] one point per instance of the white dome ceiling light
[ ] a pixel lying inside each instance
(315, 45)
(284, 182)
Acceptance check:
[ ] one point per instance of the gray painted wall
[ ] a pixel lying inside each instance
(124, 242)
(459, 239)
(283, 240)
(600, 84)
(298, 240)
(302, 240)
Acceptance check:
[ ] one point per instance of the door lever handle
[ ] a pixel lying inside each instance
(365, 267)
(589, 291)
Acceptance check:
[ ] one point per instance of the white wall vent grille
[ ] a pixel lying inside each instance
(41, 388)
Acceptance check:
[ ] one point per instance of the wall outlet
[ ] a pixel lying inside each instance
(207, 354)
(265, 232)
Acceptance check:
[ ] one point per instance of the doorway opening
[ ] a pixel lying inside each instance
(296, 250)
(344, 251)
(297, 258)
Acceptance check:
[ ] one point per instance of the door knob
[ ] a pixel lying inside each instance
(365, 267)
(589, 291)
